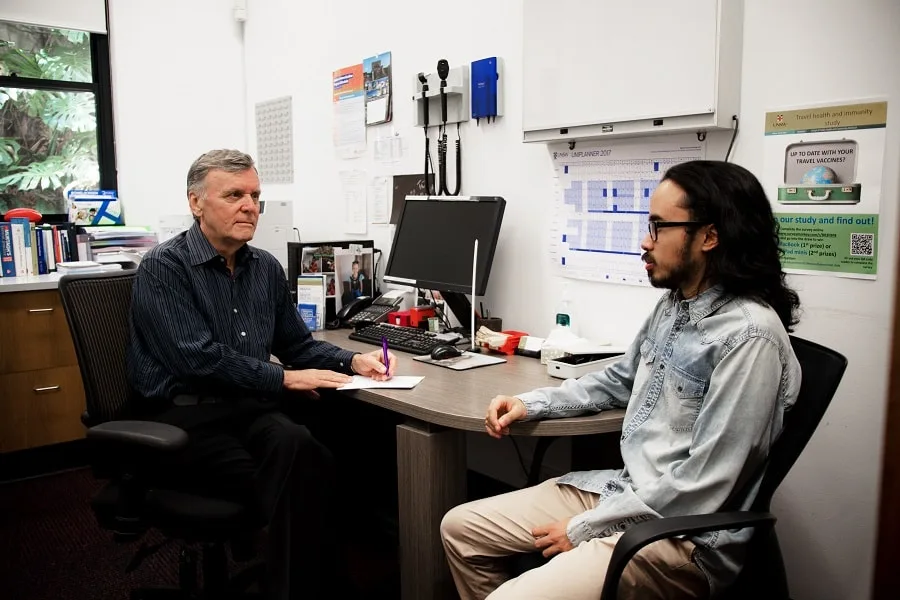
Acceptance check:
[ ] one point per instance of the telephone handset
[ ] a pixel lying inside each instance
(353, 308)
(375, 311)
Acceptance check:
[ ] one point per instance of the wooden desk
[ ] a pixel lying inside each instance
(431, 449)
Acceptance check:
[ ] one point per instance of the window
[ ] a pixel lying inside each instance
(56, 130)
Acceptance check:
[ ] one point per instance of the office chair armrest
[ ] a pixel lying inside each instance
(146, 434)
(647, 532)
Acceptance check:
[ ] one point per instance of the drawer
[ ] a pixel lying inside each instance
(33, 332)
(40, 407)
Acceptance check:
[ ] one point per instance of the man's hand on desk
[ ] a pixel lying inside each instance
(311, 379)
(371, 364)
(502, 412)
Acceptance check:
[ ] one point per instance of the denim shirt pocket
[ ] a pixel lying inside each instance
(645, 366)
(684, 395)
(648, 352)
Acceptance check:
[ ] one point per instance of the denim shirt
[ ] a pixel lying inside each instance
(705, 385)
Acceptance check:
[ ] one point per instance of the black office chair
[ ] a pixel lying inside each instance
(763, 575)
(97, 308)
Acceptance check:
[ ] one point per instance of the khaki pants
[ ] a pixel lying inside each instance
(478, 534)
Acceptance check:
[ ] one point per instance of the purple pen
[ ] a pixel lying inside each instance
(384, 347)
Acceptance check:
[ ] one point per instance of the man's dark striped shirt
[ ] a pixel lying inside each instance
(196, 329)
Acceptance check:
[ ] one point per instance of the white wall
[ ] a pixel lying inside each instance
(181, 92)
(827, 507)
(794, 53)
(178, 91)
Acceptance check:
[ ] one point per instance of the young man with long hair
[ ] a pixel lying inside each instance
(704, 385)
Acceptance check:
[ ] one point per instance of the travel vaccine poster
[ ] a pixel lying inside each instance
(822, 173)
(349, 111)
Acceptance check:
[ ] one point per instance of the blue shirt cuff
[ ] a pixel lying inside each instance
(535, 405)
(343, 360)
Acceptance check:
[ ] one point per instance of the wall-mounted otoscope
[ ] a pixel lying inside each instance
(443, 70)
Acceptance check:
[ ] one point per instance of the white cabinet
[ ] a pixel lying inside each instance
(612, 68)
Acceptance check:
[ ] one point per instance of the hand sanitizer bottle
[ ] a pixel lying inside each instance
(564, 309)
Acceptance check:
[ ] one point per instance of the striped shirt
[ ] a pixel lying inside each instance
(196, 329)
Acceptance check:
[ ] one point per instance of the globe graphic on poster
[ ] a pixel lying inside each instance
(819, 175)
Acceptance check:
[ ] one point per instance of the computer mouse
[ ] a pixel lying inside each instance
(444, 351)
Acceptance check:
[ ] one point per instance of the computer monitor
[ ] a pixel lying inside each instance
(434, 242)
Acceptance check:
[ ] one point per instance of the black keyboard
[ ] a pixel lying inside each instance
(404, 339)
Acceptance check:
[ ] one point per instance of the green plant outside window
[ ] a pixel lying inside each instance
(48, 137)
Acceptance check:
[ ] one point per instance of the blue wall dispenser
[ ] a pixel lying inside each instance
(486, 89)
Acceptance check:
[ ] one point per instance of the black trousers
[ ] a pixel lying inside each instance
(249, 450)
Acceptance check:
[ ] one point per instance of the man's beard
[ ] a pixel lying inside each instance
(678, 274)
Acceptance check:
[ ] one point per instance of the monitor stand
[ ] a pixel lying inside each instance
(461, 307)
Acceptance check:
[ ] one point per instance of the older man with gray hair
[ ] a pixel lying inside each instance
(208, 312)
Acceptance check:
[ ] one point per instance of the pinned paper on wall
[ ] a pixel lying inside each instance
(171, 225)
(380, 193)
(603, 204)
(389, 149)
(275, 141)
(377, 73)
(349, 112)
(353, 192)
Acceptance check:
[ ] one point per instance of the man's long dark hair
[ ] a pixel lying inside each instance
(747, 260)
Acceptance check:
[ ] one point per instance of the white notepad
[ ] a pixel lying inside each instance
(367, 383)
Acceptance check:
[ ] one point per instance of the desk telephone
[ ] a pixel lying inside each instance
(365, 308)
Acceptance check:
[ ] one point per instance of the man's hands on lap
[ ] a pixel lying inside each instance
(502, 412)
(551, 539)
(371, 364)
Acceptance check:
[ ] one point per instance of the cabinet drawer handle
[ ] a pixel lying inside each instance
(40, 310)
(49, 388)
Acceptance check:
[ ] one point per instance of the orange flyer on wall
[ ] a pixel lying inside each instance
(348, 83)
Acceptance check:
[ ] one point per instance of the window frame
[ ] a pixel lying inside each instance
(101, 87)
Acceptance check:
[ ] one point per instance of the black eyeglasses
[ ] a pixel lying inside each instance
(655, 226)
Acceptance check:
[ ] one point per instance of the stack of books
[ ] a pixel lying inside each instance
(79, 267)
(118, 244)
(30, 249)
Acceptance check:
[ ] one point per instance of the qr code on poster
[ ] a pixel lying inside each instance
(862, 244)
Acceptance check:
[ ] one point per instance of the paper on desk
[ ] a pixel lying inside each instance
(398, 383)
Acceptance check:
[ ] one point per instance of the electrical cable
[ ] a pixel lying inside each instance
(737, 124)
(429, 188)
(376, 288)
(440, 311)
(442, 159)
(519, 454)
(442, 162)
(443, 69)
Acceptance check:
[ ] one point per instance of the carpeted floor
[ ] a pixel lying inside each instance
(52, 549)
